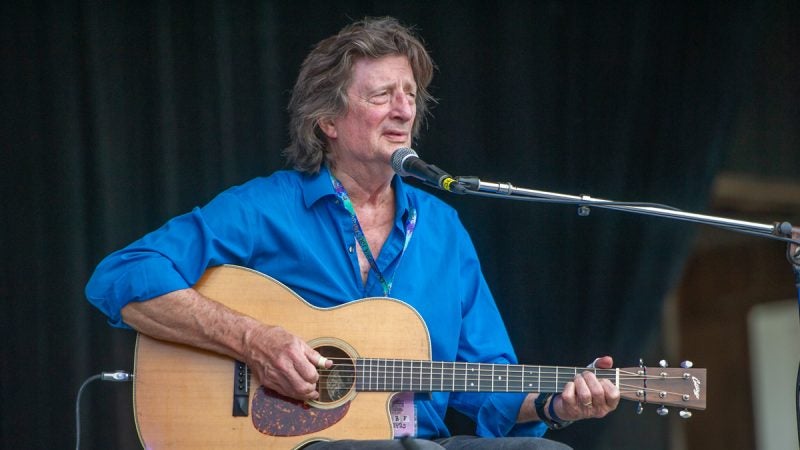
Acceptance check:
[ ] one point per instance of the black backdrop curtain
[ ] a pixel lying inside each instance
(119, 115)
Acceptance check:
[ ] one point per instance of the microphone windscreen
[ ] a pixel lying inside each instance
(398, 157)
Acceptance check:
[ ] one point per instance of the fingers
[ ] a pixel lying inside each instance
(284, 377)
(587, 397)
(604, 362)
(285, 363)
(319, 361)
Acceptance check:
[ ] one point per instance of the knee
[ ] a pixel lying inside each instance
(420, 444)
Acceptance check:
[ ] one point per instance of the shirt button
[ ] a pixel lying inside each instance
(350, 249)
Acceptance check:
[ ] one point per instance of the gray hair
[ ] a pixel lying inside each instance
(321, 88)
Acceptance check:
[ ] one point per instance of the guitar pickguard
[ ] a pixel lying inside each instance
(276, 415)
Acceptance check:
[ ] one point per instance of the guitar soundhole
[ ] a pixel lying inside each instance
(335, 384)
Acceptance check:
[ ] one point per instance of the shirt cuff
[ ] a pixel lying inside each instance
(141, 282)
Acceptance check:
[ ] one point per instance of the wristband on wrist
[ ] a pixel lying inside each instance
(551, 419)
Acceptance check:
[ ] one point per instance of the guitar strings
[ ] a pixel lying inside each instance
(550, 382)
(484, 373)
(489, 372)
(484, 380)
(623, 387)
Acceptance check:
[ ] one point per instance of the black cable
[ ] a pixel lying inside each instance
(119, 376)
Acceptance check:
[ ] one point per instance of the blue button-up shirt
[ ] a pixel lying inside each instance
(294, 228)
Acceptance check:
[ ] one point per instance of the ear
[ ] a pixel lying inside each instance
(327, 125)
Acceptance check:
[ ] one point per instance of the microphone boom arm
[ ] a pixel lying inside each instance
(781, 231)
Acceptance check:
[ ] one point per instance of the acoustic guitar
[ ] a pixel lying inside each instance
(187, 398)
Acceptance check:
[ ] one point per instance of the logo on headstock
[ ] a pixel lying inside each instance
(696, 383)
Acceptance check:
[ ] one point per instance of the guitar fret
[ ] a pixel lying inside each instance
(421, 369)
(431, 378)
(380, 380)
(539, 379)
(408, 376)
(371, 375)
(402, 375)
(513, 379)
(402, 378)
(380, 383)
(359, 386)
(389, 378)
(412, 377)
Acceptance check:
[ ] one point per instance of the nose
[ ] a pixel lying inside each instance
(404, 107)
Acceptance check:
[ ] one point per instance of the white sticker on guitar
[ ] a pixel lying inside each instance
(404, 414)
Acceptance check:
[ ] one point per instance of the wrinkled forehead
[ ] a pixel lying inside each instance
(373, 73)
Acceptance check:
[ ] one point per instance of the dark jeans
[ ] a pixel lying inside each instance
(451, 443)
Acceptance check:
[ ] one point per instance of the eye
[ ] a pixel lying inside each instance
(379, 98)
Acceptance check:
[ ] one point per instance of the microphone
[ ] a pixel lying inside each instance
(407, 164)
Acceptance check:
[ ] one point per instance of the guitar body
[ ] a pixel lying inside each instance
(186, 398)
(183, 396)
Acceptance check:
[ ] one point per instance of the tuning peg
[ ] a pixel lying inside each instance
(662, 410)
(663, 363)
(685, 414)
(687, 364)
(639, 408)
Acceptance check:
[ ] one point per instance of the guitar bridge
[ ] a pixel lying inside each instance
(241, 389)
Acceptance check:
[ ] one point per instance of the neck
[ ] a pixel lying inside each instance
(365, 187)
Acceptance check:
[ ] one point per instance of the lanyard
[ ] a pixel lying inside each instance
(411, 222)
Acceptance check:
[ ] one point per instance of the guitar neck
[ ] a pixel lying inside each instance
(399, 375)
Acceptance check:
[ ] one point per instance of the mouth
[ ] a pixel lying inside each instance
(396, 136)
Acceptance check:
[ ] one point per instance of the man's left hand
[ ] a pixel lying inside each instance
(587, 397)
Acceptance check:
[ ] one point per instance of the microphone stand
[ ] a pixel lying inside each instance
(780, 231)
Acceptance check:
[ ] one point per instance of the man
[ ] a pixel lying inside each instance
(341, 227)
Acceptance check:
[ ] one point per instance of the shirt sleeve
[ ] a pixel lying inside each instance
(171, 258)
(483, 338)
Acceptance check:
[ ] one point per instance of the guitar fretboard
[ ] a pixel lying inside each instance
(399, 375)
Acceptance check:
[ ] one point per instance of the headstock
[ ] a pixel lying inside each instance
(682, 387)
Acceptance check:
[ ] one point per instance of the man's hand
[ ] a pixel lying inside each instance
(283, 362)
(587, 397)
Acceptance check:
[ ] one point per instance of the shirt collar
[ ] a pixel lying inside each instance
(319, 185)
(316, 186)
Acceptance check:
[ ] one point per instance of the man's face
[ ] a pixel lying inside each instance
(380, 113)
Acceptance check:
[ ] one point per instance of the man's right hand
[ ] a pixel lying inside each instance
(283, 362)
